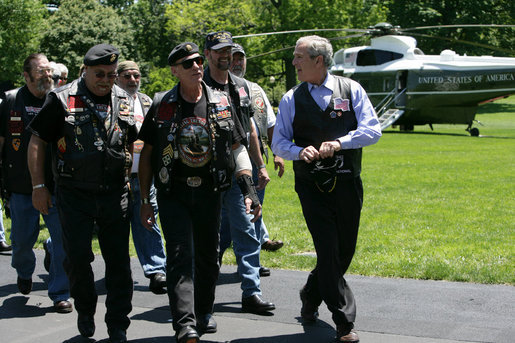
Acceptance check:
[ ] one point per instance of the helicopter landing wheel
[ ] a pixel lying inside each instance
(474, 132)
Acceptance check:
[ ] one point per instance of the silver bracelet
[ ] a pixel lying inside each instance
(41, 185)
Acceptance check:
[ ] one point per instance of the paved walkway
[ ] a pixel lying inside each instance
(389, 311)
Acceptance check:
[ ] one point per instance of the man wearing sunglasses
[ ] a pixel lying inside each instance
(192, 147)
(148, 243)
(17, 110)
(90, 124)
(246, 240)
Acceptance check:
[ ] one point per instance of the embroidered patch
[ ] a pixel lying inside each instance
(166, 111)
(61, 145)
(16, 144)
(223, 114)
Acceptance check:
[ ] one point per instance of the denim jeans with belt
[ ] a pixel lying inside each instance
(24, 234)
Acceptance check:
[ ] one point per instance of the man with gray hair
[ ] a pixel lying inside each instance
(322, 125)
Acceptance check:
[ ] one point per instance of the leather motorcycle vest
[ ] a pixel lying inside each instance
(14, 156)
(165, 154)
(313, 126)
(93, 153)
(239, 92)
(260, 116)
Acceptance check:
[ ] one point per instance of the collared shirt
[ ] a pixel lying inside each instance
(367, 132)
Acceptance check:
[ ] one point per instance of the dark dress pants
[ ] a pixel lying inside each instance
(79, 210)
(333, 221)
(190, 220)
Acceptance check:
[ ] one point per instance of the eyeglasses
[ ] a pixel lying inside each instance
(128, 76)
(43, 71)
(189, 63)
(101, 75)
(63, 78)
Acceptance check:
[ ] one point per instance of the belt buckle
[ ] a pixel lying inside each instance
(194, 181)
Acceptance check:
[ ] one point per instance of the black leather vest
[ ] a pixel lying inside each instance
(240, 94)
(14, 155)
(90, 156)
(165, 151)
(312, 126)
(260, 116)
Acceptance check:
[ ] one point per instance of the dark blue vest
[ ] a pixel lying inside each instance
(312, 126)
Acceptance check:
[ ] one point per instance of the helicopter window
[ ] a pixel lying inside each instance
(376, 57)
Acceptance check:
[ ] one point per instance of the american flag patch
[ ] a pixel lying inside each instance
(341, 104)
(242, 92)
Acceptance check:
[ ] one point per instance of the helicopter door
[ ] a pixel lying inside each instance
(401, 81)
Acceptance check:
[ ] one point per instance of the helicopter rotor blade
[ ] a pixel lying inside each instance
(293, 46)
(296, 31)
(486, 46)
(456, 26)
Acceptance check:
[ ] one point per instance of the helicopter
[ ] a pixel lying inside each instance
(410, 88)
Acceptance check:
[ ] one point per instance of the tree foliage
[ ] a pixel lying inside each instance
(147, 30)
(21, 24)
(79, 25)
(414, 13)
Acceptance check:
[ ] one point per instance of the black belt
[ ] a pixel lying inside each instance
(134, 175)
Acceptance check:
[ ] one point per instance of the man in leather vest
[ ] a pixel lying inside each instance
(19, 107)
(191, 149)
(246, 245)
(148, 243)
(322, 125)
(90, 123)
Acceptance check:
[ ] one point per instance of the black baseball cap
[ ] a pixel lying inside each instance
(218, 40)
(238, 48)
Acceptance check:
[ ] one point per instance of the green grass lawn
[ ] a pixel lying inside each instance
(438, 205)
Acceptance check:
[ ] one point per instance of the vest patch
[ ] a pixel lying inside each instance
(16, 142)
(166, 112)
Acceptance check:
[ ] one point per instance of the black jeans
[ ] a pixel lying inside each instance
(79, 210)
(190, 220)
(333, 221)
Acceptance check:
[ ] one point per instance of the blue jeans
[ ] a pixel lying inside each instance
(24, 234)
(245, 238)
(261, 231)
(2, 230)
(149, 245)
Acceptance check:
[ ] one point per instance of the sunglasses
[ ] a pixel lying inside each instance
(101, 75)
(189, 63)
(128, 76)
